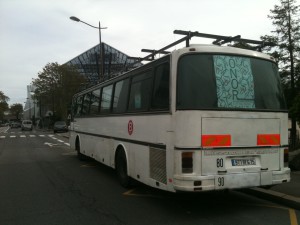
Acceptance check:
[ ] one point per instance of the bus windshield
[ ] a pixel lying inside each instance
(229, 82)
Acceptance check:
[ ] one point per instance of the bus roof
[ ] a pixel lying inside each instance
(208, 48)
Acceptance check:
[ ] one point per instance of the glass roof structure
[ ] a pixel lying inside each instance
(114, 62)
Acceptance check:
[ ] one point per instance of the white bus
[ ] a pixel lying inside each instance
(203, 117)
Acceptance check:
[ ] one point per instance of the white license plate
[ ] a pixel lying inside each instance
(243, 162)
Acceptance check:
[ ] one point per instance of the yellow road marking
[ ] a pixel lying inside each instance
(293, 217)
(129, 192)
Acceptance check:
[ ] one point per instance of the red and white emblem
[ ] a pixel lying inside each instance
(130, 127)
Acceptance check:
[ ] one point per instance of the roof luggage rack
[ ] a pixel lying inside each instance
(219, 40)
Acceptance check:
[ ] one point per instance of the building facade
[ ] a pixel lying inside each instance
(31, 109)
(101, 63)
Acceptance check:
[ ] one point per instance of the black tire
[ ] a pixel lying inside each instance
(121, 169)
(80, 156)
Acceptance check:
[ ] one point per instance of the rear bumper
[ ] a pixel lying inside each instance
(26, 128)
(60, 130)
(192, 183)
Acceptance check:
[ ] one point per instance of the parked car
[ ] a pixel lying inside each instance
(60, 126)
(15, 125)
(26, 125)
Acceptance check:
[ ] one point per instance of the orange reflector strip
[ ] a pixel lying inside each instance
(216, 140)
(268, 139)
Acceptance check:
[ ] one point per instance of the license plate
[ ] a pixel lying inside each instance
(243, 162)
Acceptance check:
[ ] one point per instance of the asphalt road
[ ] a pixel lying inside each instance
(43, 182)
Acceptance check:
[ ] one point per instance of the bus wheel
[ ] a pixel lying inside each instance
(80, 156)
(121, 168)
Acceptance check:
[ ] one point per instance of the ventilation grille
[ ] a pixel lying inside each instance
(158, 165)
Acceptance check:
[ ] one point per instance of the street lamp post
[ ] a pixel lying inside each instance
(101, 52)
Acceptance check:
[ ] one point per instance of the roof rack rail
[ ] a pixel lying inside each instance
(219, 40)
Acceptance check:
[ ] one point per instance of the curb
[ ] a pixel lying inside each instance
(284, 199)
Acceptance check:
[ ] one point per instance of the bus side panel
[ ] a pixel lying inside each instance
(72, 139)
(138, 135)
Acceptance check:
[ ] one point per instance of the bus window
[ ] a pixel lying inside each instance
(160, 98)
(140, 92)
(268, 96)
(121, 96)
(95, 101)
(196, 86)
(228, 82)
(234, 79)
(77, 106)
(86, 104)
(106, 99)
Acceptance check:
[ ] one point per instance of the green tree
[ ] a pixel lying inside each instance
(295, 108)
(55, 87)
(3, 104)
(285, 18)
(16, 110)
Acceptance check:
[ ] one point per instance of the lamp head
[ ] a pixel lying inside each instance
(75, 18)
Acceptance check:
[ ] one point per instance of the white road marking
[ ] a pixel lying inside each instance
(50, 144)
(38, 135)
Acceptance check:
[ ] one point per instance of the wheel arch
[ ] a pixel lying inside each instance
(121, 147)
(77, 142)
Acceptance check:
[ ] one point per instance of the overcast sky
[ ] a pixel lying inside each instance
(36, 32)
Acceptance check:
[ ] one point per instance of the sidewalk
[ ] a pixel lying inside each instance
(292, 188)
(286, 193)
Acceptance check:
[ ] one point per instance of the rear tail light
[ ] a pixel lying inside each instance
(187, 162)
(268, 139)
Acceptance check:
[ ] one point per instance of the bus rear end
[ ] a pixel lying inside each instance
(231, 120)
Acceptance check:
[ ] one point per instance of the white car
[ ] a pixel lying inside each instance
(26, 125)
